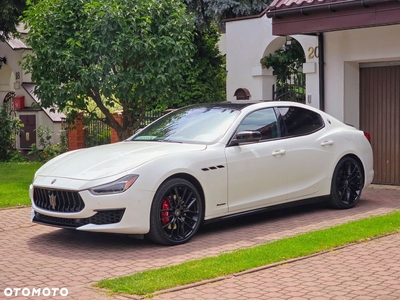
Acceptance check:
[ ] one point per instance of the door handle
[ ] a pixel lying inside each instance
(326, 143)
(278, 152)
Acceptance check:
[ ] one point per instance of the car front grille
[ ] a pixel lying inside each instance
(102, 217)
(58, 200)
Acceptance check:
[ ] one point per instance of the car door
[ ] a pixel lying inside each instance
(310, 152)
(257, 172)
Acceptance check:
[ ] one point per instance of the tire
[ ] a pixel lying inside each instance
(347, 183)
(176, 212)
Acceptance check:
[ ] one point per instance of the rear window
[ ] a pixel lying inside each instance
(300, 121)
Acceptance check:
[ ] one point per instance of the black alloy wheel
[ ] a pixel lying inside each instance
(347, 183)
(176, 213)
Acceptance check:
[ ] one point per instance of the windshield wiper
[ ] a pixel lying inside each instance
(156, 140)
(168, 141)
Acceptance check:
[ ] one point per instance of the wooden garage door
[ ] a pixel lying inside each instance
(380, 116)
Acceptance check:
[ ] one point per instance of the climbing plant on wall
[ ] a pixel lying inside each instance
(285, 61)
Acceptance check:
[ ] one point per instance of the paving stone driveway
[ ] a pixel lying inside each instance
(35, 256)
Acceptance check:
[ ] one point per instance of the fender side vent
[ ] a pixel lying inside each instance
(213, 168)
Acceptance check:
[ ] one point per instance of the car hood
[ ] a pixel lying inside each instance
(108, 160)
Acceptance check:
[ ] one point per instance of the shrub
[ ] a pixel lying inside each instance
(48, 149)
(9, 129)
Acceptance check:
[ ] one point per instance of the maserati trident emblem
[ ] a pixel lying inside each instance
(52, 199)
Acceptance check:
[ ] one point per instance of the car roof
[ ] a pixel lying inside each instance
(241, 105)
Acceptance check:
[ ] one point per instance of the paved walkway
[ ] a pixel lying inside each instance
(35, 256)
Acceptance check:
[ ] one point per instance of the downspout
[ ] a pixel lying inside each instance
(321, 69)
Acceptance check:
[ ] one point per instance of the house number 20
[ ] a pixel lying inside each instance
(313, 52)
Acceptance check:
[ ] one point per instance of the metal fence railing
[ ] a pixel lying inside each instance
(99, 133)
(292, 90)
(150, 117)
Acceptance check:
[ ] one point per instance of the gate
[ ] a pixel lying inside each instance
(293, 90)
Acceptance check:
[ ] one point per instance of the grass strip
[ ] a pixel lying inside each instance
(148, 282)
(15, 179)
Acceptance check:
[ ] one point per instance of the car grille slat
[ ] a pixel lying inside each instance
(67, 203)
(71, 202)
(61, 205)
(58, 200)
(41, 198)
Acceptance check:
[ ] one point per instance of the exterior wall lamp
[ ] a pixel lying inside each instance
(2, 60)
(288, 42)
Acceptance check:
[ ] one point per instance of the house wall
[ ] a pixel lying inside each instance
(344, 51)
(41, 119)
(11, 78)
(12, 74)
(246, 41)
(249, 40)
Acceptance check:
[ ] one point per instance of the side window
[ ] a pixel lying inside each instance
(300, 121)
(264, 121)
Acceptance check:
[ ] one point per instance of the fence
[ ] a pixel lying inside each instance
(97, 132)
(293, 90)
(150, 117)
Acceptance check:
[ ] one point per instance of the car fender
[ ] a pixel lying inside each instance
(207, 167)
(362, 150)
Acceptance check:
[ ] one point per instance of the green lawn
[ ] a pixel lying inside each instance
(15, 179)
(147, 282)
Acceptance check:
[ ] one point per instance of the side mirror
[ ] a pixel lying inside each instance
(247, 136)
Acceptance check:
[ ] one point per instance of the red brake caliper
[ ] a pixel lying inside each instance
(164, 214)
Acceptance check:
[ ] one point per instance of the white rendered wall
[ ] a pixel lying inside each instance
(344, 51)
(246, 41)
(12, 75)
(249, 40)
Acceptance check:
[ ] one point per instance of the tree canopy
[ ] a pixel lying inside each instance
(215, 11)
(91, 55)
(205, 79)
(119, 53)
(10, 11)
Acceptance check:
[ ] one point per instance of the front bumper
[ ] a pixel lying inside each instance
(127, 213)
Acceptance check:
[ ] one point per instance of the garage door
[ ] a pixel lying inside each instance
(380, 116)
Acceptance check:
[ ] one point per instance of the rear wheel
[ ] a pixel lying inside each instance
(176, 212)
(347, 183)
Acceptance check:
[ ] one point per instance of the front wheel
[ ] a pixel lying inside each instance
(176, 212)
(347, 183)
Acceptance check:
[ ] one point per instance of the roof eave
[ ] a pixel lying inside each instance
(335, 16)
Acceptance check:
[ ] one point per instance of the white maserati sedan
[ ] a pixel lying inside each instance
(201, 163)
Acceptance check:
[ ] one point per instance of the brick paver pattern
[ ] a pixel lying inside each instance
(36, 256)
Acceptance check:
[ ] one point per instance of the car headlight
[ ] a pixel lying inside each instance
(118, 186)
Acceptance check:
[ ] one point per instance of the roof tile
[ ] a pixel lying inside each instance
(285, 4)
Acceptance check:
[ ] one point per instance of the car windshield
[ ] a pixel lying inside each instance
(194, 124)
